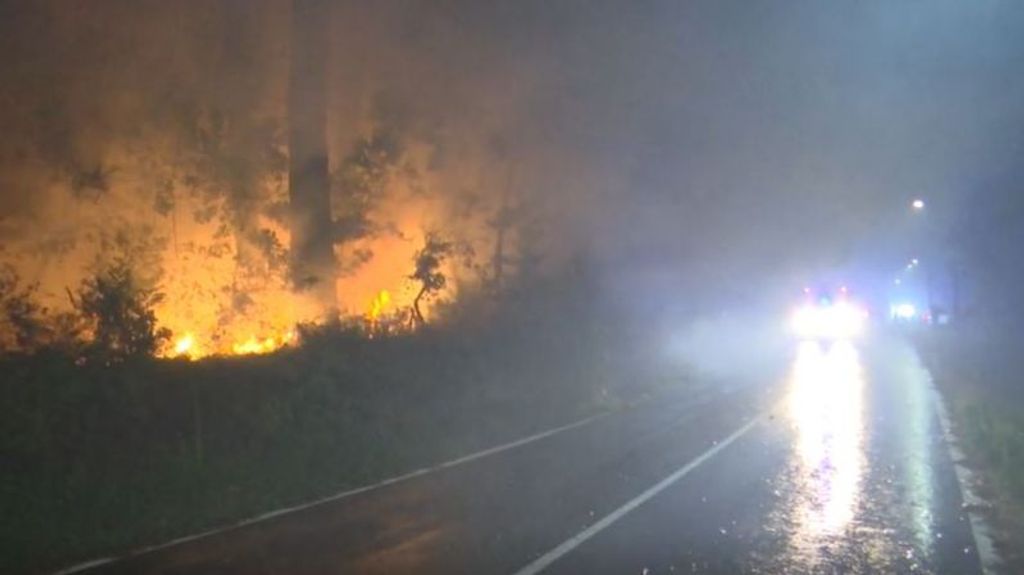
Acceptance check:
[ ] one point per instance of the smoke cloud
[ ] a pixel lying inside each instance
(731, 142)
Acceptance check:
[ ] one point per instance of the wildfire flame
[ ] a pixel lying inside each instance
(255, 345)
(185, 346)
(380, 302)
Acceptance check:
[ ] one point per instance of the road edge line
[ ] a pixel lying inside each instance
(545, 560)
(988, 557)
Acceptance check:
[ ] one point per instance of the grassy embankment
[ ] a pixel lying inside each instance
(983, 381)
(101, 460)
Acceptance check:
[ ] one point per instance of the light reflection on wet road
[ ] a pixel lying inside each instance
(846, 473)
(849, 475)
(826, 404)
(868, 487)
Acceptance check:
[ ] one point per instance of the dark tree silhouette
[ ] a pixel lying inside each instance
(428, 273)
(23, 325)
(119, 314)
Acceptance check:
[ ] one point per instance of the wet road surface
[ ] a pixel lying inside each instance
(836, 466)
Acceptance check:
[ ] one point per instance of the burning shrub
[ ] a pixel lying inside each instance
(118, 313)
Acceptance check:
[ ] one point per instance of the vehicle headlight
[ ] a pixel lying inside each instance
(840, 321)
(805, 322)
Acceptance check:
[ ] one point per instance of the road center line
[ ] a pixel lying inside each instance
(567, 546)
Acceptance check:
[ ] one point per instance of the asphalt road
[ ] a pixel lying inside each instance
(836, 466)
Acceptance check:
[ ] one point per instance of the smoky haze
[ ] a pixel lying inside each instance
(681, 147)
(387, 286)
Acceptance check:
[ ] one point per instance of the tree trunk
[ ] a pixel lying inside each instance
(417, 315)
(313, 265)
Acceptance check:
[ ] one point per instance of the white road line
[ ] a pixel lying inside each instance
(337, 496)
(544, 561)
(988, 556)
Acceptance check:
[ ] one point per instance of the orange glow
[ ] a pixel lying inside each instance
(221, 295)
(380, 302)
(378, 288)
(185, 346)
(221, 267)
(255, 345)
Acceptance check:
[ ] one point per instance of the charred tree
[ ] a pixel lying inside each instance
(312, 252)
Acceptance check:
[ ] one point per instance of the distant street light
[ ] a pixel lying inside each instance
(917, 204)
(897, 281)
(914, 262)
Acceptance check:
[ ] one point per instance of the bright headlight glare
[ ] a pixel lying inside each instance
(841, 321)
(905, 311)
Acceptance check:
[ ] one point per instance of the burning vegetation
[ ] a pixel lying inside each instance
(215, 214)
(175, 285)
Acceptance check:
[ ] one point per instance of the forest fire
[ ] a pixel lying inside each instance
(220, 246)
(380, 309)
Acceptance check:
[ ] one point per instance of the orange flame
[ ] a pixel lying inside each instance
(380, 302)
(254, 345)
(185, 346)
(188, 346)
(226, 293)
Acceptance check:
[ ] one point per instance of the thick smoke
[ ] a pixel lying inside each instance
(725, 141)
